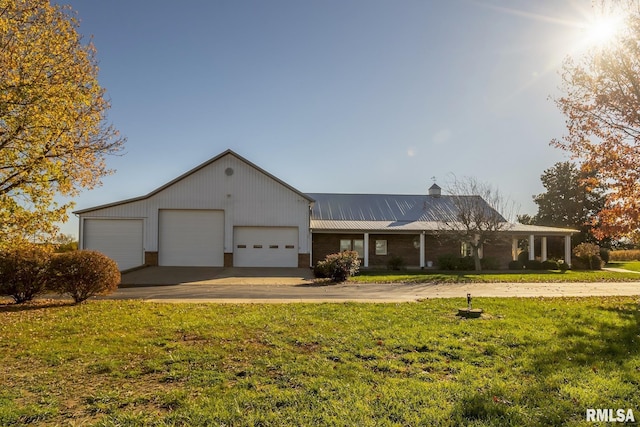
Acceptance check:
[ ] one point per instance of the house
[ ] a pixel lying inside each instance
(230, 212)
(225, 212)
(382, 226)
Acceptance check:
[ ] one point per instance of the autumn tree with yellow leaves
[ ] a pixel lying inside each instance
(601, 103)
(53, 132)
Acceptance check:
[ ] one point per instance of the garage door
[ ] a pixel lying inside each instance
(265, 247)
(193, 238)
(119, 239)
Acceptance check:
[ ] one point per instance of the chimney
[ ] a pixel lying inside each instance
(435, 190)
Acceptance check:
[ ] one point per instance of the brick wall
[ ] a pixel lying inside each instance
(151, 259)
(500, 250)
(228, 259)
(325, 244)
(402, 245)
(303, 260)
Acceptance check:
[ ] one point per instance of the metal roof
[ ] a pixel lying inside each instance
(390, 207)
(326, 225)
(402, 213)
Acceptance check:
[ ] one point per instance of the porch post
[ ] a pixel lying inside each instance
(543, 248)
(422, 250)
(366, 249)
(532, 247)
(514, 249)
(567, 249)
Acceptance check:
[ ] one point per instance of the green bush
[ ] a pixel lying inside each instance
(523, 257)
(489, 263)
(339, 267)
(516, 265)
(605, 255)
(396, 263)
(563, 266)
(448, 262)
(24, 273)
(550, 265)
(533, 264)
(321, 270)
(452, 262)
(83, 274)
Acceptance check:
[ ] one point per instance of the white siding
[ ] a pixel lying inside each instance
(119, 239)
(191, 238)
(265, 247)
(248, 197)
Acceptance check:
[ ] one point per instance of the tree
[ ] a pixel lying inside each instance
(568, 201)
(53, 131)
(601, 103)
(473, 215)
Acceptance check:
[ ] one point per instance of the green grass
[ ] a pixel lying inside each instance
(543, 276)
(627, 265)
(528, 362)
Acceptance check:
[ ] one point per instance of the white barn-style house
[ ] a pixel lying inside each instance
(225, 212)
(230, 212)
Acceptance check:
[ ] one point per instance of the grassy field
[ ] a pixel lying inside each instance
(506, 276)
(527, 362)
(627, 265)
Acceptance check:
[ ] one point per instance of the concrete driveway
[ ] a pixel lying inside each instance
(236, 285)
(216, 276)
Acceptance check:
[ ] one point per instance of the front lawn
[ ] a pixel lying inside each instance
(528, 362)
(627, 265)
(506, 276)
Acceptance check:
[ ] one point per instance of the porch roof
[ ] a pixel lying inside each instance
(330, 225)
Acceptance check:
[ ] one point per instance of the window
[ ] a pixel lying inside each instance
(381, 247)
(358, 246)
(353, 245)
(467, 250)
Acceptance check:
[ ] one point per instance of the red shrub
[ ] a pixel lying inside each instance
(24, 272)
(83, 274)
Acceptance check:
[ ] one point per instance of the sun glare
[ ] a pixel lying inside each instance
(603, 30)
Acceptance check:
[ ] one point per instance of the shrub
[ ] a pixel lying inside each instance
(605, 255)
(24, 273)
(83, 274)
(489, 263)
(550, 265)
(523, 256)
(516, 265)
(396, 263)
(587, 256)
(448, 262)
(563, 266)
(533, 264)
(339, 267)
(321, 270)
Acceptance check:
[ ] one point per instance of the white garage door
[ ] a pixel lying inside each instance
(119, 239)
(265, 247)
(193, 238)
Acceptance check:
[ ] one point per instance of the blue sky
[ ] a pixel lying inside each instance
(367, 96)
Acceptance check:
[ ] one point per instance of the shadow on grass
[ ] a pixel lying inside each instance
(12, 307)
(590, 342)
(588, 347)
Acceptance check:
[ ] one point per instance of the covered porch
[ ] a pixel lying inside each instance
(420, 247)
